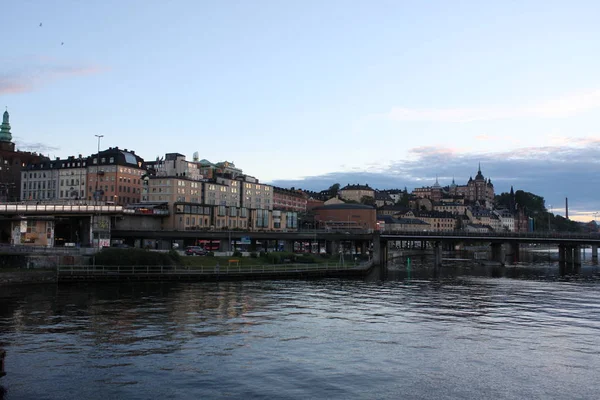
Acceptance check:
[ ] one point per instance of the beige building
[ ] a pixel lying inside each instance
(438, 221)
(356, 192)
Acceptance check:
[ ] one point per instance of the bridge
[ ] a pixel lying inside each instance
(569, 244)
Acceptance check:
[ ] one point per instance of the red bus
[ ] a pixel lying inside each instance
(209, 245)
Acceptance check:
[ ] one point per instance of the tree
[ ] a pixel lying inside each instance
(334, 189)
(404, 200)
(368, 200)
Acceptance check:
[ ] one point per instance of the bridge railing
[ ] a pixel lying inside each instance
(533, 235)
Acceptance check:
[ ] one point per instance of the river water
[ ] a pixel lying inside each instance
(463, 332)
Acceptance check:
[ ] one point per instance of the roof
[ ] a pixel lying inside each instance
(357, 187)
(383, 196)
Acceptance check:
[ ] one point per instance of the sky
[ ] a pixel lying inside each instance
(311, 93)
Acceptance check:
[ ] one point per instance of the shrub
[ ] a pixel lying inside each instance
(254, 255)
(237, 253)
(210, 254)
(175, 257)
(116, 256)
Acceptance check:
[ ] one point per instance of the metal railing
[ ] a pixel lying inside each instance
(158, 270)
(531, 235)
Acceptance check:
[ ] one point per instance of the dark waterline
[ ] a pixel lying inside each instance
(462, 332)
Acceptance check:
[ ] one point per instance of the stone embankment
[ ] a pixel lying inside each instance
(27, 277)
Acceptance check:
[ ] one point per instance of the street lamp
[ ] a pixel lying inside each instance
(96, 193)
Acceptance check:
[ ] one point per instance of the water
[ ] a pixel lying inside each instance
(466, 332)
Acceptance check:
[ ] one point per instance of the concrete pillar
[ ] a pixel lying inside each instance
(377, 249)
(437, 254)
(569, 255)
(576, 256)
(225, 245)
(595, 252)
(363, 247)
(514, 251)
(288, 246)
(562, 253)
(498, 253)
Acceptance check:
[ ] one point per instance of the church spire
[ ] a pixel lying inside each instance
(5, 135)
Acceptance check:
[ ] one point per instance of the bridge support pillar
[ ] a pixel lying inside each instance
(498, 252)
(594, 252)
(562, 254)
(514, 251)
(437, 254)
(569, 259)
(225, 245)
(577, 257)
(377, 250)
(288, 246)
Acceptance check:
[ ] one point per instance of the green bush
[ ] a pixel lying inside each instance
(254, 255)
(115, 256)
(325, 255)
(237, 253)
(210, 254)
(306, 258)
(176, 257)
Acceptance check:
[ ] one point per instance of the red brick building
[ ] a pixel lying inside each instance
(289, 200)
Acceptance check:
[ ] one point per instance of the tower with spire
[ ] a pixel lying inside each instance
(12, 161)
(5, 135)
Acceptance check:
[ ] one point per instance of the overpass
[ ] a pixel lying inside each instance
(49, 224)
(569, 244)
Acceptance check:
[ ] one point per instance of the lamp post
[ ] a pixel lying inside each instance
(97, 193)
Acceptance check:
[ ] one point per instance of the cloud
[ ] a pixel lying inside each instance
(552, 172)
(563, 106)
(37, 147)
(34, 77)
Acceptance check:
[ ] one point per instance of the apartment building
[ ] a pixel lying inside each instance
(289, 200)
(438, 221)
(72, 175)
(39, 181)
(115, 175)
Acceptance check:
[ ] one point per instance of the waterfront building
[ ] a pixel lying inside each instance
(439, 221)
(289, 200)
(11, 163)
(387, 223)
(115, 175)
(40, 181)
(345, 216)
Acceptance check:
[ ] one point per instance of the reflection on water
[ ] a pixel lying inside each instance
(463, 331)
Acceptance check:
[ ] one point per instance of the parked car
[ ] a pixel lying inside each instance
(195, 251)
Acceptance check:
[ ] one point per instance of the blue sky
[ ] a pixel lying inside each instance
(310, 92)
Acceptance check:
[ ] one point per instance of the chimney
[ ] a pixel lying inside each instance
(566, 207)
